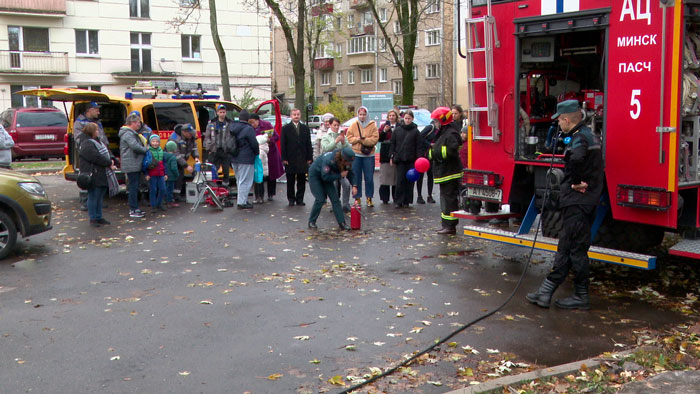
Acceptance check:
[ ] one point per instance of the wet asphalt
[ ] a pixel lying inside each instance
(252, 301)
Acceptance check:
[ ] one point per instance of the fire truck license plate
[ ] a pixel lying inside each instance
(487, 194)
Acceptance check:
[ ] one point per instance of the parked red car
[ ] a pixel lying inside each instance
(38, 132)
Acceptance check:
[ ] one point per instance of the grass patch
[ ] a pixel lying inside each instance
(28, 165)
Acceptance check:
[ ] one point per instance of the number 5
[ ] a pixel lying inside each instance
(634, 102)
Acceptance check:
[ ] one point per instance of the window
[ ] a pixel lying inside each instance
(432, 37)
(382, 44)
(367, 18)
(141, 52)
(29, 39)
(191, 47)
(367, 75)
(339, 50)
(339, 78)
(324, 51)
(433, 7)
(382, 15)
(397, 27)
(415, 73)
(19, 100)
(417, 39)
(189, 3)
(361, 44)
(399, 54)
(382, 74)
(351, 21)
(397, 87)
(139, 8)
(291, 81)
(86, 42)
(168, 115)
(325, 79)
(95, 88)
(351, 77)
(432, 71)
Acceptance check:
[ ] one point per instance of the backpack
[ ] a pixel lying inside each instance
(232, 147)
(147, 163)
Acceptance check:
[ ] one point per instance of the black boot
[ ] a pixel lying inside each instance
(543, 296)
(579, 300)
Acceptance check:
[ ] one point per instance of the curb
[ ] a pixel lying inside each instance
(559, 370)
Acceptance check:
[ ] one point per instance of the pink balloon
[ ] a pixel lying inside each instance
(422, 164)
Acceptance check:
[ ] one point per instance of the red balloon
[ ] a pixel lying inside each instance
(422, 164)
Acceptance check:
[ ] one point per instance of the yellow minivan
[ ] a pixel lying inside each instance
(161, 115)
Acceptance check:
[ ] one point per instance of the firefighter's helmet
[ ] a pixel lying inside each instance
(442, 115)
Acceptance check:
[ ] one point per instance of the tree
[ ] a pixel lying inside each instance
(295, 43)
(187, 10)
(408, 14)
(247, 101)
(318, 23)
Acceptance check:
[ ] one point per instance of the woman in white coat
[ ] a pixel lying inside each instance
(259, 188)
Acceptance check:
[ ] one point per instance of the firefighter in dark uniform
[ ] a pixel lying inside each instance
(580, 193)
(323, 173)
(447, 167)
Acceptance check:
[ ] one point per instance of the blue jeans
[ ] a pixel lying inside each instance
(364, 167)
(132, 188)
(169, 190)
(157, 190)
(94, 202)
(244, 180)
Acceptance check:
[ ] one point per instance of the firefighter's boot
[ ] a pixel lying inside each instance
(543, 296)
(578, 300)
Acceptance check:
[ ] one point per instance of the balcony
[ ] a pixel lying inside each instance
(365, 59)
(323, 64)
(34, 63)
(320, 9)
(359, 4)
(53, 8)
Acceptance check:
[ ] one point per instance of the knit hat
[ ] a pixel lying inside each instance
(154, 137)
(348, 153)
(243, 116)
(171, 146)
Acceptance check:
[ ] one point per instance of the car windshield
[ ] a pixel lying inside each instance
(41, 119)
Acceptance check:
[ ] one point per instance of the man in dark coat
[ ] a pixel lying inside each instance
(580, 193)
(244, 162)
(297, 155)
(216, 139)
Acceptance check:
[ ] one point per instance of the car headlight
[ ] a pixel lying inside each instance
(33, 188)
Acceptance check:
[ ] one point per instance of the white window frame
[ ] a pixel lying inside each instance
(87, 53)
(397, 27)
(362, 44)
(367, 18)
(338, 77)
(433, 37)
(415, 72)
(139, 10)
(351, 21)
(382, 15)
(383, 74)
(194, 55)
(432, 71)
(141, 47)
(351, 77)
(325, 78)
(324, 51)
(290, 81)
(433, 7)
(382, 44)
(397, 86)
(367, 75)
(339, 49)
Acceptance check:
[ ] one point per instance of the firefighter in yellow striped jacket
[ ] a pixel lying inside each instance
(447, 167)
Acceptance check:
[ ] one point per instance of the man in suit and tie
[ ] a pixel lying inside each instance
(297, 155)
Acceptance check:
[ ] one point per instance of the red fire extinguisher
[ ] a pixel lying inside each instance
(355, 217)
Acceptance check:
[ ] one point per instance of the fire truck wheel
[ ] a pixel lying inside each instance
(552, 223)
(474, 207)
(492, 207)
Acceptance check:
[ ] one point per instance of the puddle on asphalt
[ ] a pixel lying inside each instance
(26, 264)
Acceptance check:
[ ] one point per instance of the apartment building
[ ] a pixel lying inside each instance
(109, 45)
(353, 56)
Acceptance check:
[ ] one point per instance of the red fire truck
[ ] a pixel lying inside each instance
(633, 65)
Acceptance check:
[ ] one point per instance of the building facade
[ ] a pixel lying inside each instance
(353, 56)
(109, 45)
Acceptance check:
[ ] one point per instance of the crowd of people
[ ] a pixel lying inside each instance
(340, 163)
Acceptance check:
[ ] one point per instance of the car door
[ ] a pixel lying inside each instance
(270, 110)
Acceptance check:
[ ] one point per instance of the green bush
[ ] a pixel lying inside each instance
(337, 107)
